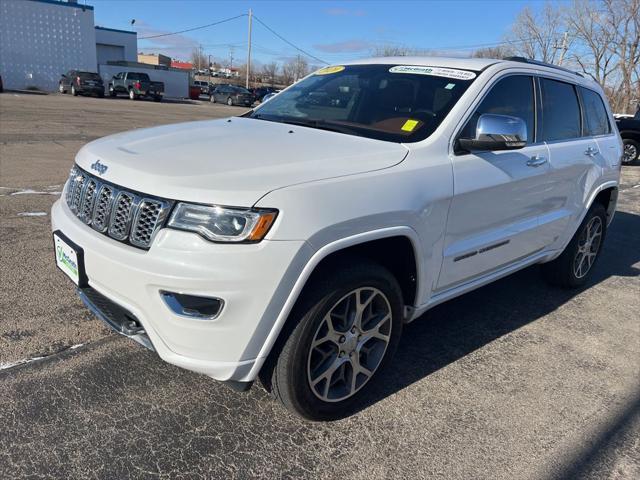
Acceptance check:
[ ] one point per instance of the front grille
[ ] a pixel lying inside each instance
(121, 214)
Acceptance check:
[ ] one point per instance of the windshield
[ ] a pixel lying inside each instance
(398, 103)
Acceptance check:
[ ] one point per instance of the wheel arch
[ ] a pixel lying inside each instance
(371, 245)
(607, 195)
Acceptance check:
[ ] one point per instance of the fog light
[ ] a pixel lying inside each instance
(192, 306)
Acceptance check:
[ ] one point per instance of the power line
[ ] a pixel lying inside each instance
(194, 28)
(288, 42)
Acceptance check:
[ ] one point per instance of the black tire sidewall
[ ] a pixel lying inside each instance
(292, 369)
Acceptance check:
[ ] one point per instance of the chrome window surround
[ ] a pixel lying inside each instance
(122, 214)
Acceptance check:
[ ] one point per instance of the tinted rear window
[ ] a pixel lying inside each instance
(137, 76)
(89, 76)
(595, 115)
(560, 111)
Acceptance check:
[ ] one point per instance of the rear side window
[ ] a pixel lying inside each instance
(560, 111)
(511, 96)
(595, 115)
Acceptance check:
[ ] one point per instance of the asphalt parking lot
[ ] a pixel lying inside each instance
(515, 380)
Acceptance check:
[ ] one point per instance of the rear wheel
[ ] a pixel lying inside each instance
(61, 89)
(73, 91)
(345, 330)
(212, 98)
(631, 152)
(572, 267)
(229, 101)
(112, 92)
(157, 98)
(132, 95)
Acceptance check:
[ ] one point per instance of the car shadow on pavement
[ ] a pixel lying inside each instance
(460, 326)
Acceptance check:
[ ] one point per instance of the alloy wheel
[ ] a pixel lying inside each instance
(349, 344)
(588, 247)
(630, 153)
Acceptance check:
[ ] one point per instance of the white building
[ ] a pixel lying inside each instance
(41, 39)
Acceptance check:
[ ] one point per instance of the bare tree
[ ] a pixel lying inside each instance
(536, 34)
(593, 52)
(295, 69)
(499, 51)
(269, 72)
(390, 51)
(198, 59)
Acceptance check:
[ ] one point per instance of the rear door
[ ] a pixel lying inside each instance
(498, 196)
(574, 155)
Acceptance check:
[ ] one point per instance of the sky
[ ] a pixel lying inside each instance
(330, 31)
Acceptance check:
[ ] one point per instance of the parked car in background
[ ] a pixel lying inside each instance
(629, 128)
(231, 95)
(136, 85)
(269, 96)
(81, 83)
(260, 92)
(297, 253)
(204, 86)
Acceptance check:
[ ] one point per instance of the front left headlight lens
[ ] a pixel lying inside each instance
(222, 224)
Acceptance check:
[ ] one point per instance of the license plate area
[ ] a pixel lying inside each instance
(70, 259)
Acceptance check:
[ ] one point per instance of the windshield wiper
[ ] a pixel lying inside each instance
(322, 125)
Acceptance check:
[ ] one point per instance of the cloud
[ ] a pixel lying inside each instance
(348, 46)
(174, 46)
(339, 11)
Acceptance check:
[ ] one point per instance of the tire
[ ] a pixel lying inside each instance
(61, 89)
(212, 98)
(100, 94)
(295, 364)
(73, 91)
(230, 102)
(157, 98)
(132, 95)
(112, 92)
(572, 268)
(631, 152)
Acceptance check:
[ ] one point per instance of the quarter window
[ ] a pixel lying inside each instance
(560, 111)
(513, 96)
(595, 115)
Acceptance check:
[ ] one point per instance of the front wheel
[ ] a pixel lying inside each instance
(61, 89)
(229, 101)
(631, 152)
(73, 91)
(345, 329)
(572, 268)
(212, 99)
(112, 92)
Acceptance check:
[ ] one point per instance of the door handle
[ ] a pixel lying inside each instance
(591, 152)
(536, 161)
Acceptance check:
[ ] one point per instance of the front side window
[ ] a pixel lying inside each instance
(560, 111)
(397, 103)
(513, 96)
(595, 115)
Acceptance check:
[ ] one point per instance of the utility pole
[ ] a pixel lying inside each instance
(564, 47)
(249, 51)
(209, 65)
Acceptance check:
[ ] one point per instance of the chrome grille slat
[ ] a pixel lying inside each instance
(121, 214)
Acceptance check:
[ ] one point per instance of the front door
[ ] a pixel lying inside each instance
(498, 196)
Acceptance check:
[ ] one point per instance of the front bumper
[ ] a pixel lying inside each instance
(248, 277)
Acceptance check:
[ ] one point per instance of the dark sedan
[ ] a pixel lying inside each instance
(231, 95)
(81, 83)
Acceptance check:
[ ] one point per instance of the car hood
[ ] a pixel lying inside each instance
(231, 161)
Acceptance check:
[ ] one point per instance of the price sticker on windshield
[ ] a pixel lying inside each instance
(434, 71)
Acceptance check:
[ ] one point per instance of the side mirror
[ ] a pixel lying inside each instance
(497, 132)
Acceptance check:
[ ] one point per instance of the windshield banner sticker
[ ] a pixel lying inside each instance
(434, 71)
(329, 70)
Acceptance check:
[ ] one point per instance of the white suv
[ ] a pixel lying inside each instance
(347, 205)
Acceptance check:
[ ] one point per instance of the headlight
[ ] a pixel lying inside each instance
(221, 224)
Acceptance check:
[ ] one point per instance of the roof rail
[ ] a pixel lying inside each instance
(543, 64)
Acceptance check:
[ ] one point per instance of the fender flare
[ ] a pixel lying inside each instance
(309, 268)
